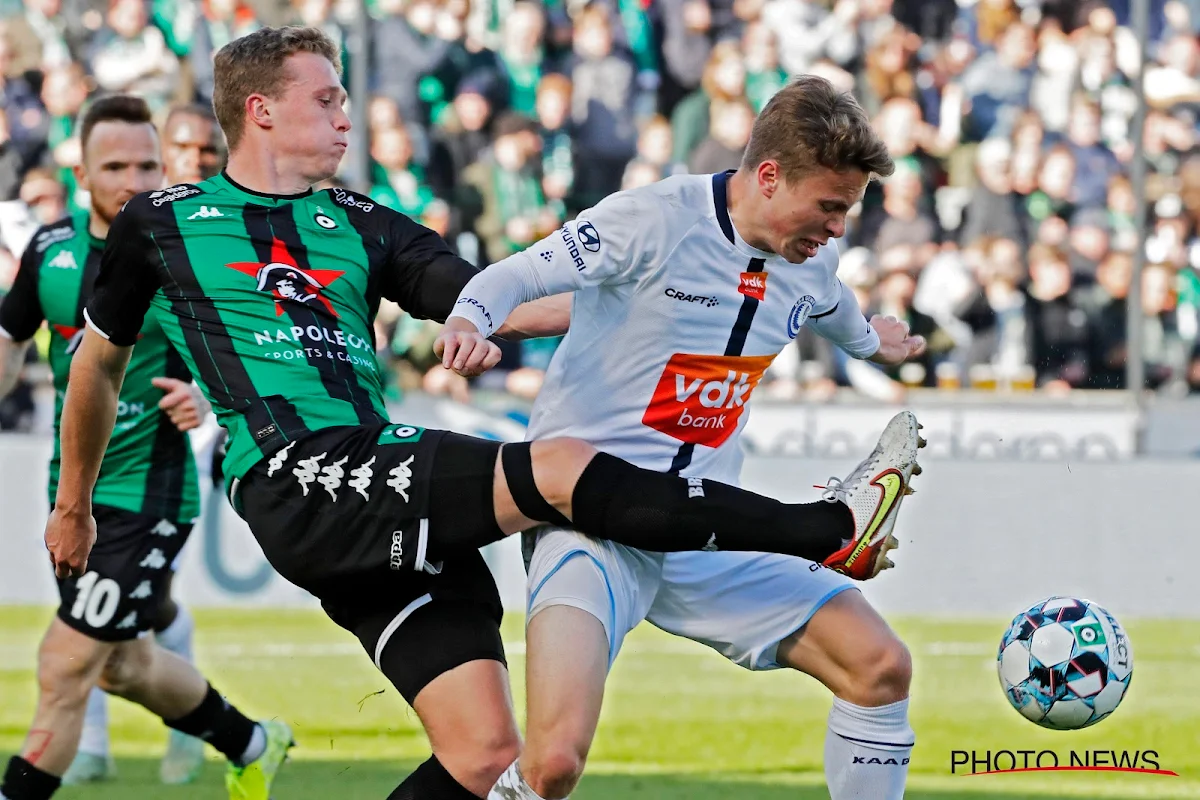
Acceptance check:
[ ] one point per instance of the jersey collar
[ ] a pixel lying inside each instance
(235, 187)
(720, 198)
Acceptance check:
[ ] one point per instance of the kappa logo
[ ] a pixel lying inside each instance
(289, 283)
(700, 399)
(278, 460)
(306, 471)
(141, 592)
(206, 212)
(753, 284)
(63, 259)
(331, 476)
(402, 477)
(155, 559)
(128, 622)
(361, 478)
(396, 559)
(886, 762)
(164, 528)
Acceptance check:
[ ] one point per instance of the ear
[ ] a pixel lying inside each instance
(81, 176)
(769, 177)
(258, 111)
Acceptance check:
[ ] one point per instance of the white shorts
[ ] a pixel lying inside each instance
(740, 604)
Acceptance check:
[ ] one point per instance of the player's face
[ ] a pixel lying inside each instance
(311, 125)
(121, 159)
(191, 149)
(798, 217)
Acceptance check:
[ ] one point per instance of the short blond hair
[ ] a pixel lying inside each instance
(256, 64)
(810, 124)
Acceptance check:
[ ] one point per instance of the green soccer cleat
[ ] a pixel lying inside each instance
(183, 760)
(88, 768)
(253, 781)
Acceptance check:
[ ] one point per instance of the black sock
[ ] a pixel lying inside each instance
(430, 781)
(24, 781)
(218, 723)
(665, 513)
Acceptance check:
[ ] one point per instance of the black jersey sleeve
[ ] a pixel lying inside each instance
(127, 279)
(421, 273)
(21, 309)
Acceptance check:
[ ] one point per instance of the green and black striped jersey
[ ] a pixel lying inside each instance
(148, 466)
(271, 300)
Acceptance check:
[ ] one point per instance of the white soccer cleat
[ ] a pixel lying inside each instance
(874, 491)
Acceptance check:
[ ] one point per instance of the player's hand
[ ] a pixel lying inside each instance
(183, 403)
(462, 348)
(895, 344)
(69, 538)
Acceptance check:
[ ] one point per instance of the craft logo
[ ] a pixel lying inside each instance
(999, 762)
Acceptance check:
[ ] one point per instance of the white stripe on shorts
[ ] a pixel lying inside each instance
(392, 626)
(422, 545)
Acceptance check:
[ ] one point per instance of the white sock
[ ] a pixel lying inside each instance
(511, 786)
(177, 637)
(254, 750)
(94, 741)
(867, 751)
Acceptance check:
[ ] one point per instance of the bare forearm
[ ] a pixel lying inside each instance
(548, 316)
(12, 359)
(88, 415)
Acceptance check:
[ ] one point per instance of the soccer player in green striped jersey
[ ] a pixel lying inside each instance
(145, 498)
(191, 144)
(268, 290)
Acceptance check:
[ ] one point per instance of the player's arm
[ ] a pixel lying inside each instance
(425, 277)
(883, 340)
(604, 245)
(124, 287)
(20, 317)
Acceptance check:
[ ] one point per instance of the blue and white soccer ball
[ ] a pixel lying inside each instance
(1065, 663)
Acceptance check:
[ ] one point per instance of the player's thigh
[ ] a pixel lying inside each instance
(613, 583)
(852, 650)
(742, 604)
(118, 597)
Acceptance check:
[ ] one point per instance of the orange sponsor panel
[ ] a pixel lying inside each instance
(753, 284)
(700, 399)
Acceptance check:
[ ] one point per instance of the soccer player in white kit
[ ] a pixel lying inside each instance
(684, 292)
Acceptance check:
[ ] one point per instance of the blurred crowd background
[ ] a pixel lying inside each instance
(1006, 235)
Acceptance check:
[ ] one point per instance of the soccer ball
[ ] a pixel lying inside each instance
(1065, 663)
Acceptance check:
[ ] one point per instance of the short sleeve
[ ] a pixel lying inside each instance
(127, 280)
(21, 310)
(421, 273)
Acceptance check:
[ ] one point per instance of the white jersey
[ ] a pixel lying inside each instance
(674, 321)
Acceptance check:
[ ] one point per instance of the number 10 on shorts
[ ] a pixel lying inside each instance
(96, 599)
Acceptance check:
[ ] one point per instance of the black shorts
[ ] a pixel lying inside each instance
(383, 525)
(127, 575)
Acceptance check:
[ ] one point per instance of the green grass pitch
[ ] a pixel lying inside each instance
(679, 722)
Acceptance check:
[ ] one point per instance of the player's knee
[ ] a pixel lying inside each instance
(553, 770)
(125, 670)
(63, 681)
(557, 465)
(885, 677)
(481, 762)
